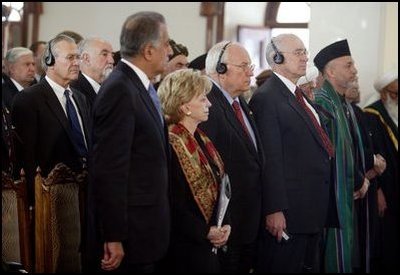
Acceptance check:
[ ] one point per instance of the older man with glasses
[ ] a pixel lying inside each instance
(232, 130)
(298, 164)
(51, 118)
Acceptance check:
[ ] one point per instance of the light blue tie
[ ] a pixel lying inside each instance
(156, 101)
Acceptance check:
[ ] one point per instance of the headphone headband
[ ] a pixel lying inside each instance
(221, 67)
(278, 57)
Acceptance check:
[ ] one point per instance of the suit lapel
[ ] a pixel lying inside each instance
(303, 114)
(296, 106)
(54, 105)
(81, 109)
(88, 89)
(144, 95)
(232, 120)
(250, 117)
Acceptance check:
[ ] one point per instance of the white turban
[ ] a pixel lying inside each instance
(385, 80)
(311, 74)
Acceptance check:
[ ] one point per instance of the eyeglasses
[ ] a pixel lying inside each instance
(244, 67)
(298, 52)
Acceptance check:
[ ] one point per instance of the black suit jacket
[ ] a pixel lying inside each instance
(9, 91)
(297, 165)
(243, 163)
(84, 87)
(44, 129)
(7, 142)
(129, 168)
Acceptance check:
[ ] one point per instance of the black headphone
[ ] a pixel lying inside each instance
(49, 59)
(278, 57)
(221, 67)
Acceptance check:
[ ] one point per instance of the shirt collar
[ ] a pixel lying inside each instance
(225, 93)
(143, 77)
(57, 88)
(19, 86)
(289, 84)
(95, 85)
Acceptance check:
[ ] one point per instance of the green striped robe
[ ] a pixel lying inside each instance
(339, 241)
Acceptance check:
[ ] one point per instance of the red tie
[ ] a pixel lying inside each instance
(239, 116)
(325, 139)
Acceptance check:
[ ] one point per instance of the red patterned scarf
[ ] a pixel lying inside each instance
(195, 166)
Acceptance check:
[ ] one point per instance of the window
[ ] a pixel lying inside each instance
(20, 24)
(293, 12)
(286, 17)
(12, 11)
(12, 18)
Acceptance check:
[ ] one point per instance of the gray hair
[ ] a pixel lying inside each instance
(52, 49)
(86, 44)
(14, 54)
(138, 30)
(214, 55)
(279, 42)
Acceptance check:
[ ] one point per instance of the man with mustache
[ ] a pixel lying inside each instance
(96, 64)
(383, 118)
(343, 248)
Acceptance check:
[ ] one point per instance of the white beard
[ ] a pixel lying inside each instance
(107, 72)
(392, 107)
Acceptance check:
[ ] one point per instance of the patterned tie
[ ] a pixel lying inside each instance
(76, 130)
(239, 116)
(324, 137)
(156, 101)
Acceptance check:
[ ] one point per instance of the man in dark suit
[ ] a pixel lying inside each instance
(20, 67)
(41, 116)
(129, 167)
(95, 66)
(7, 142)
(298, 164)
(235, 136)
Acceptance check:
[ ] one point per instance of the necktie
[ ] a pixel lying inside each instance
(156, 101)
(239, 116)
(76, 130)
(324, 137)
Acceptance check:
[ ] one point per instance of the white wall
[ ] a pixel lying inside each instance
(185, 24)
(361, 24)
(371, 28)
(242, 13)
(391, 37)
